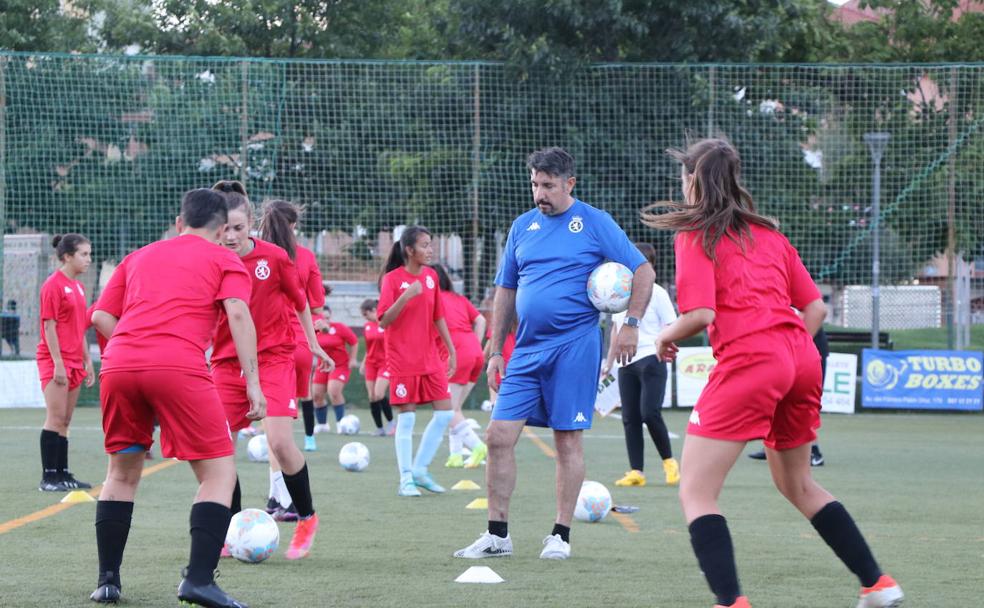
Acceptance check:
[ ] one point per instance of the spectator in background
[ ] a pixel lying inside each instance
(10, 328)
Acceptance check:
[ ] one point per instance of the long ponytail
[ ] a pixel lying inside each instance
(275, 226)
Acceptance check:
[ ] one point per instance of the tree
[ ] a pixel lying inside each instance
(43, 25)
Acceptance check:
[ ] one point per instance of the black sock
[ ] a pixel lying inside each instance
(711, 541)
(209, 523)
(307, 411)
(377, 413)
(49, 454)
(299, 487)
(237, 498)
(321, 414)
(339, 411)
(499, 528)
(62, 455)
(563, 531)
(387, 410)
(112, 529)
(837, 529)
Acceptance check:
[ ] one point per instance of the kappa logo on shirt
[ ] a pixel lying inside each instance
(576, 225)
(404, 285)
(401, 390)
(68, 290)
(695, 418)
(580, 417)
(533, 226)
(262, 270)
(342, 377)
(331, 330)
(292, 405)
(430, 283)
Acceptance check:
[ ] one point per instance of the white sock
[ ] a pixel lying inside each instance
(456, 439)
(274, 475)
(470, 437)
(283, 496)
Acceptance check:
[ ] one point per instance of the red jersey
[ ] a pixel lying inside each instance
(749, 291)
(411, 339)
(312, 285)
(334, 340)
(276, 294)
(460, 314)
(375, 346)
(100, 339)
(63, 300)
(508, 346)
(167, 297)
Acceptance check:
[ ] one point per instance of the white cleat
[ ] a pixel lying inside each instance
(487, 545)
(554, 547)
(886, 593)
(322, 428)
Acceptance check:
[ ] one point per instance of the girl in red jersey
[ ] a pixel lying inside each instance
(276, 295)
(739, 277)
(341, 344)
(63, 358)
(467, 326)
(373, 368)
(411, 313)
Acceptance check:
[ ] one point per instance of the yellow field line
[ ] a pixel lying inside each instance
(54, 509)
(627, 522)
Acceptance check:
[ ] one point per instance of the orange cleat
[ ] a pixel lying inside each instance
(300, 544)
(885, 593)
(741, 602)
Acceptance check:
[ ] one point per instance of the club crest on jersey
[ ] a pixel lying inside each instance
(430, 283)
(576, 225)
(262, 270)
(401, 390)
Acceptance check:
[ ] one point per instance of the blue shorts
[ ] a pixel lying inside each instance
(556, 387)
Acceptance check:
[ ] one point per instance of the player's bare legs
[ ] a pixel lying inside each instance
(705, 465)
(280, 438)
(791, 474)
(123, 477)
(500, 471)
(570, 473)
(216, 479)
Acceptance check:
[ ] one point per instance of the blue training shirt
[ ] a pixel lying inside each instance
(547, 260)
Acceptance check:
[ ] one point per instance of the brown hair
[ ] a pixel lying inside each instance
(275, 226)
(67, 244)
(717, 203)
(648, 251)
(408, 238)
(235, 195)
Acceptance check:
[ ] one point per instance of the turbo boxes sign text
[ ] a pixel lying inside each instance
(931, 380)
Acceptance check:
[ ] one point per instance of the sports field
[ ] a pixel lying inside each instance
(914, 482)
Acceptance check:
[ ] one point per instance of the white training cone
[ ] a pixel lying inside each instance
(479, 574)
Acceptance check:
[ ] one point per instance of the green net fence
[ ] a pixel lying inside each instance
(105, 146)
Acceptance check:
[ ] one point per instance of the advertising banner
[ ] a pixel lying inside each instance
(609, 398)
(693, 366)
(925, 380)
(21, 384)
(840, 384)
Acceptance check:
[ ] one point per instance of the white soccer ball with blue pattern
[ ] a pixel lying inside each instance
(253, 536)
(354, 457)
(257, 449)
(349, 425)
(593, 502)
(609, 287)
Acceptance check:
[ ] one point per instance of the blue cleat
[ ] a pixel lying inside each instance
(310, 445)
(425, 481)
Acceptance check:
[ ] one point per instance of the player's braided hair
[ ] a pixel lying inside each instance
(717, 204)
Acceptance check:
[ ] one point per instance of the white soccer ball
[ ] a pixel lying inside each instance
(354, 457)
(593, 502)
(253, 536)
(348, 425)
(609, 287)
(257, 449)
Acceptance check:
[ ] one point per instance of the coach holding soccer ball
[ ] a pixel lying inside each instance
(553, 372)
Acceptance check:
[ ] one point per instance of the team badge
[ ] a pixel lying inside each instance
(430, 283)
(262, 270)
(68, 290)
(576, 225)
(401, 390)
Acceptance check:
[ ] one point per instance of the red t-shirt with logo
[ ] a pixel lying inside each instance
(333, 342)
(276, 294)
(312, 284)
(411, 339)
(167, 297)
(460, 314)
(750, 291)
(63, 300)
(375, 344)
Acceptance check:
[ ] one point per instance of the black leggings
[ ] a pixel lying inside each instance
(642, 385)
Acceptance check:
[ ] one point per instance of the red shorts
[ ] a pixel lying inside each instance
(341, 374)
(765, 386)
(276, 382)
(185, 404)
(303, 363)
(46, 370)
(469, 368)
(425, 388)
(376, 370)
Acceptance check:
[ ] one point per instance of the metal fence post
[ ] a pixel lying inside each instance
(876, 145)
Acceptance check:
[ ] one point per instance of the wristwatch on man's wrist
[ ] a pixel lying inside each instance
(632, 321)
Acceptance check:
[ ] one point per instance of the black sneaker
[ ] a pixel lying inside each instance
(210, 595)
(273, 506)
(288, 514)
(760, 455)
(73, 483)
(816, 458)
(106, 594)
(52, 485)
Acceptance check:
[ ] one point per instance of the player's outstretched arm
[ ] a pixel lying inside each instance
(642, 290)
(244, 336)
